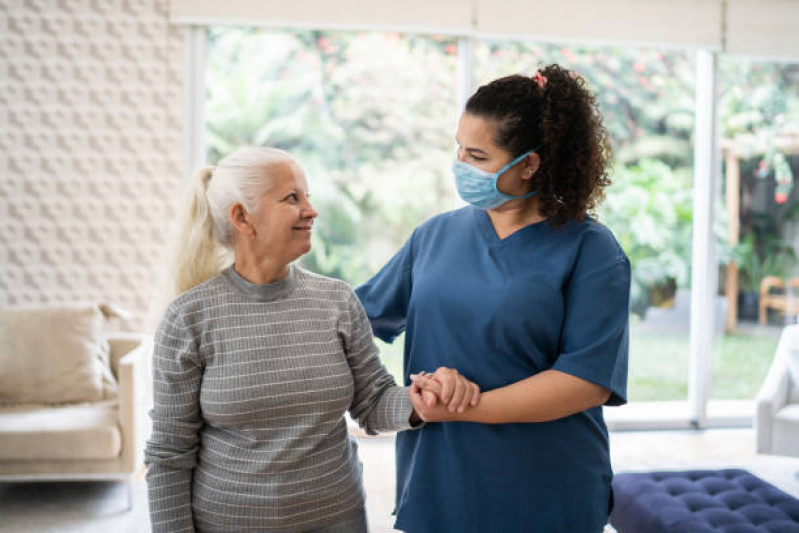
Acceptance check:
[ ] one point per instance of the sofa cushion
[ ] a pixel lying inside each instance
(54, 354)
(71, 432)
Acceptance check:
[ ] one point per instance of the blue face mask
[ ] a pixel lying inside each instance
(479, 187)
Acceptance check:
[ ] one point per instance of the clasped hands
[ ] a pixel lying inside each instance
(442, 395)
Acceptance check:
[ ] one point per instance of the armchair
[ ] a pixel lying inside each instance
(777, 409)
(79, 441)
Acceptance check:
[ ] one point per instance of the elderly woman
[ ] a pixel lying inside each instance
(255, 364)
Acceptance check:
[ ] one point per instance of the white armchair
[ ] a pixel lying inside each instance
(79, 441)
(777, 411)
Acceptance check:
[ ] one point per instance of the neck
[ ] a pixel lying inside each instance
(516, 213)
(266, 270)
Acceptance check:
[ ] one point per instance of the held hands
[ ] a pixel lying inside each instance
(443, 395)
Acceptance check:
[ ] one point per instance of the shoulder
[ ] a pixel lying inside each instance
(597, 241)
(188, 306)
(598, 253)
(323, 286)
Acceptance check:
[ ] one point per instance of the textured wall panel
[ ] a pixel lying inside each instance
(90, 156)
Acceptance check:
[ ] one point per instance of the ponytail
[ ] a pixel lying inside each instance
(197, 254)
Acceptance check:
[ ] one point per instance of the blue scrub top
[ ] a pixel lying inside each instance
(500, 311)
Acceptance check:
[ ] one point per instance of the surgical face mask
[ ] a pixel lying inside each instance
(479, 187)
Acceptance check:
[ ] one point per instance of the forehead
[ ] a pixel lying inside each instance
(474, 132)
(287, 175)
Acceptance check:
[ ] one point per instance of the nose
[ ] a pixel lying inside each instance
(308, 211)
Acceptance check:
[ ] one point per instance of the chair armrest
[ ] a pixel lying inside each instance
(775, 388)
(773, 394)
(130, 377)
(121, 344)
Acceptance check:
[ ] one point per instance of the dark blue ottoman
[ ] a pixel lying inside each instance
(709, 501)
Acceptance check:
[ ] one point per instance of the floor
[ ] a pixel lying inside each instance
(630, 451)
(100, 507)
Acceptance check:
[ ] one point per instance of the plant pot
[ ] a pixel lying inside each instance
(747, 306)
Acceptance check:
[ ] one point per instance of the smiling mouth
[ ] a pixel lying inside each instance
(302, 228)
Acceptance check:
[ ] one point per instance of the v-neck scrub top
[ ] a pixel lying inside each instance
(500, 311)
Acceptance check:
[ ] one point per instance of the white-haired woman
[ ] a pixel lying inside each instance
(255, 364)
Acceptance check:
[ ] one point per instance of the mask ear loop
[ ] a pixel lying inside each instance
(506, 167)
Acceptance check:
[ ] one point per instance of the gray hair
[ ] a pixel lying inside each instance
(204, 235)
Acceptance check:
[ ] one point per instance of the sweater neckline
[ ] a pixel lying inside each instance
(262, 292)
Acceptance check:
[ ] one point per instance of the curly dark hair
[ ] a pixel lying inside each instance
(563, 121)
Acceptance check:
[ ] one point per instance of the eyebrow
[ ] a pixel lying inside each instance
(471, 150)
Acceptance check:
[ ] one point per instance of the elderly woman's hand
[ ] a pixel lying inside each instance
(444, 391)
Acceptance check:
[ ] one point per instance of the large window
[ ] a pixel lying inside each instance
(371, 116)
(759, 121)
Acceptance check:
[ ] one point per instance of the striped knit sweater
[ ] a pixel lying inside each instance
(251, 383)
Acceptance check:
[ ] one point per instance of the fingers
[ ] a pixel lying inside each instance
(429, 399)
(454, 389)
(446, 376)
(447, 387)
(475, 395)
(430, 388)
(416, 401)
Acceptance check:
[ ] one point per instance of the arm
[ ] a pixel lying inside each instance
(547, 396)
(378, 403)
(171, 451)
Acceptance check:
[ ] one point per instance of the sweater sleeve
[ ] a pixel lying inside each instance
(171, 451)
(379, 404)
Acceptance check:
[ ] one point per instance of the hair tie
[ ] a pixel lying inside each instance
(540, 79)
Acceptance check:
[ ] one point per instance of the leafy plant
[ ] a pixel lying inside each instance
(758, 258)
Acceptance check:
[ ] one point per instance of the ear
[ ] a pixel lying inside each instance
(240, 220)
(531, 164)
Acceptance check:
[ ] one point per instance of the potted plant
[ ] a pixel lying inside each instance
(756, 259)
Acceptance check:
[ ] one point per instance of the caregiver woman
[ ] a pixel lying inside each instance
(525, 294)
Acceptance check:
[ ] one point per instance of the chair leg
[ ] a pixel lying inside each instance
(129, 487)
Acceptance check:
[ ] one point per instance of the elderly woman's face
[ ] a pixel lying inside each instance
(285, 216)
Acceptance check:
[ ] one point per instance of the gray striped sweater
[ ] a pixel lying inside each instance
(251, 383)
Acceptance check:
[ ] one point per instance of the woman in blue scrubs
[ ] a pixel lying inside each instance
(527, 295)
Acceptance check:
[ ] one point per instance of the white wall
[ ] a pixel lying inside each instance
(90, 153)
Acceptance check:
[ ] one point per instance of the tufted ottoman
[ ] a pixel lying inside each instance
(712, 501)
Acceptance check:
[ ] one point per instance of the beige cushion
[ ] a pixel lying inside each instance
(81, 431)
(54, 354)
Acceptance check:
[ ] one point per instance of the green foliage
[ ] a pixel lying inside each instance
(369, 115)
(759, 106)
(758, 258)
(650, 212)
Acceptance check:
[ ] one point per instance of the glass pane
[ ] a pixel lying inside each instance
(647, 98)
(370, 115)
(759, 118)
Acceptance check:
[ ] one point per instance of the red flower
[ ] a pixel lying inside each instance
(638, 66)
(780, 197)
(451, 49)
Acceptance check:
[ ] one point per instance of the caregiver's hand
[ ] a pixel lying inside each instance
(445, 390)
